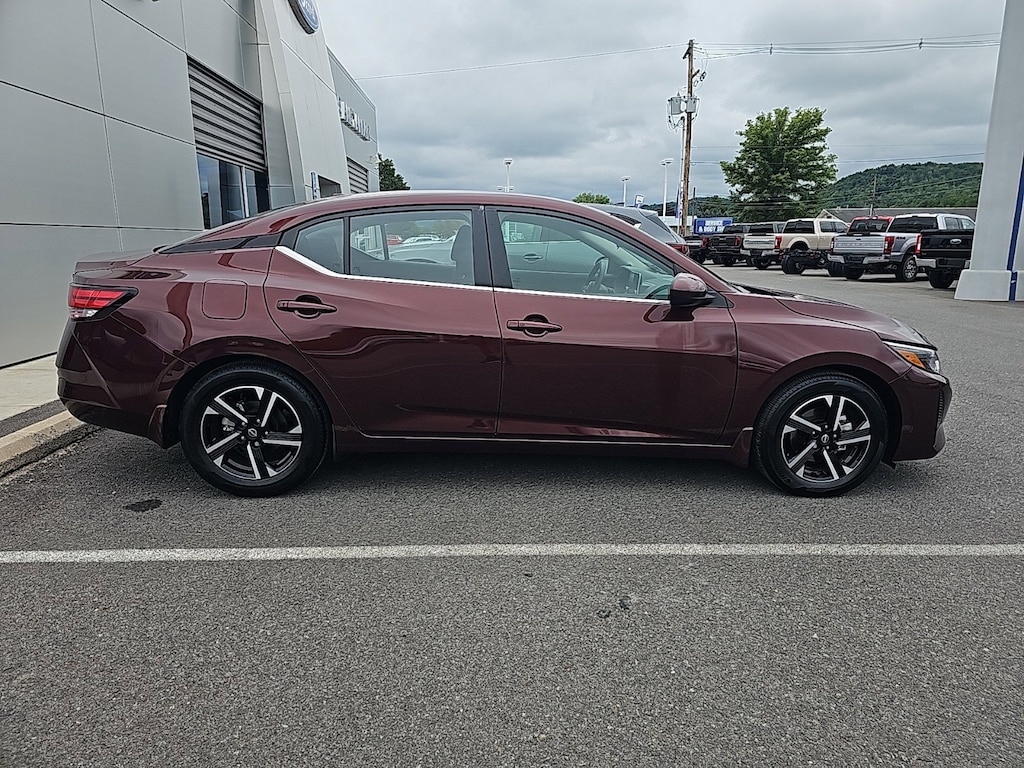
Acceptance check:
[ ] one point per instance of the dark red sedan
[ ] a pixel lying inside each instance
(521, 323)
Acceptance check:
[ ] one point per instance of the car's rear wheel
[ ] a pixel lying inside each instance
(253, 430)
(906, 272)
(792, 265)
(853, 273)
(727, 261)
(835, 269)
(761, 262)
(820, 435)
(939, 279)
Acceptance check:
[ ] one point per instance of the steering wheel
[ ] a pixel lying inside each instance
(595, 280)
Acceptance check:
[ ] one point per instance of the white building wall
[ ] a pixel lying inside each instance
(999, 240)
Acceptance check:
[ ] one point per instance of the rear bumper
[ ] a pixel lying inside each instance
(115, 382)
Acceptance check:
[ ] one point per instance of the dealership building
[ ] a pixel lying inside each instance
(132, 123)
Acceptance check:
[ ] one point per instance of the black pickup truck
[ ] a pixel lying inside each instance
(944, 254)
(726, 247)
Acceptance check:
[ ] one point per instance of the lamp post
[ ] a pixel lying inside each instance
(664, 189)
(508, 174)
(624, 180)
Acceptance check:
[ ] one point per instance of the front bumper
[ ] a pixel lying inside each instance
(924, 400)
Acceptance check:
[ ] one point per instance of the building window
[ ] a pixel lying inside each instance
(230, 192)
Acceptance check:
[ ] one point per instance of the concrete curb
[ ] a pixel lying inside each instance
(38, 440)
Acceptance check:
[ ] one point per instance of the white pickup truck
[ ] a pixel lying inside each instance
(802, 243)
(894, 250)
(759, 243)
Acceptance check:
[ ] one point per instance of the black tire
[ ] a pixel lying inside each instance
(940, 279)
(727, 261)
(835, 269)
(761, 262)
(821, 434)
(906, 272)
(700, 258)
(792, 265)
(253, 430)
(853, 273)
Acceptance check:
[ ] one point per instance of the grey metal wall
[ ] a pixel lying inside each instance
(361, 148)
(97, 151)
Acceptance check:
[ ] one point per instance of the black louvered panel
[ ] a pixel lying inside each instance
(358, 177)
(228, 122)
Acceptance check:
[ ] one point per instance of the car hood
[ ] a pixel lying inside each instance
(887, 328)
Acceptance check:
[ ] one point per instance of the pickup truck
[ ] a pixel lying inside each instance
(803, 243)
(726, 247)
(944, 254)
(759, 243)
(894, 250)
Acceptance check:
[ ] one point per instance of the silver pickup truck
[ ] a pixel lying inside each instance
(893, 250)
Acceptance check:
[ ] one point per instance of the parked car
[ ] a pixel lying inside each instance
(895, 249)
(646, 221)
(945, 253)
(726, 247)
(860, 225)
(804, 243)
(267, 345)
(759, 243)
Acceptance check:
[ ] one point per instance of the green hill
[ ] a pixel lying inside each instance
(918, 185)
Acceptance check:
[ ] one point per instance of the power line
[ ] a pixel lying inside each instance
(989, 40)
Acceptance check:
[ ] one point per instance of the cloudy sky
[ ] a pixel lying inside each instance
(584, 102)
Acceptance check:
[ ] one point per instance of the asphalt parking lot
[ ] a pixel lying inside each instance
(441, 610)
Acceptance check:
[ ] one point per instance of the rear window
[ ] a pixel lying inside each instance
(864, 226)
(914, 224)
(800, 227)
(734, 229)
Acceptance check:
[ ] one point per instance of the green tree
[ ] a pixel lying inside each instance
(390, 178)
(782, 166)
(592, 197)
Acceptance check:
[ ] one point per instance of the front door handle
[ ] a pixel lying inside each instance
(305, 307)
(532, 257)
(533, 325)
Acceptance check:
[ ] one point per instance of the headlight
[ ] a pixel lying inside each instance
(922, 357)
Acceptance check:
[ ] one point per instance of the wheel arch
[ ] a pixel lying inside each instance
(208, 363)
(893, 411)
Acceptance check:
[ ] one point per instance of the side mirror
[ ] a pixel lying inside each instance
(688, 292)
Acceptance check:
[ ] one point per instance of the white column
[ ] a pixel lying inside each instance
(998, 249)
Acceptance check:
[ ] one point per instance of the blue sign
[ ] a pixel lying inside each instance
(710, 226)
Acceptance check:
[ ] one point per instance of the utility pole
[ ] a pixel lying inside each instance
(690, 108)
(874, 190)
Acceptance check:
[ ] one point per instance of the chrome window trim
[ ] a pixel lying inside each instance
(298, 257)
(520, 291)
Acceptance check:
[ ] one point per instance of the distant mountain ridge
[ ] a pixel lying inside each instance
(916, 185)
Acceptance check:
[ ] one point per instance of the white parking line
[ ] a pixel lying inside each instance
(508, 550)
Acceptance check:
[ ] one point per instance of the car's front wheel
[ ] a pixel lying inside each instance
(820, 435)
(253, 430)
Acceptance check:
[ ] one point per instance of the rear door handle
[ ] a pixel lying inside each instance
(305, 308)
(533, 326)
(532, 257)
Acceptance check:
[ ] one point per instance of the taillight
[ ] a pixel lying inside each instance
(85, 301)
(703, 242)
(917, 245)
(832, 245)
(739, 241)
(889, 241)
(778, 242)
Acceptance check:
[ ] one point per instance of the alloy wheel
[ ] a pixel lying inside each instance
(251, 432)
(826, 438)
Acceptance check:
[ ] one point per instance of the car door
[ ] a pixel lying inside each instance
(603, 356)
(406, 335)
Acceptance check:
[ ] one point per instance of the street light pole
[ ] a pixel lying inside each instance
(508, 174)
(624, 180)
(664, 189)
